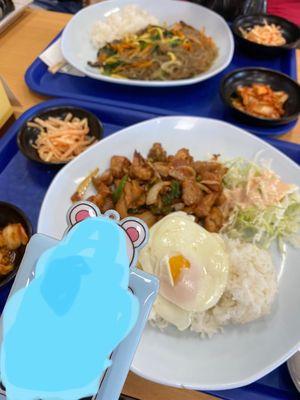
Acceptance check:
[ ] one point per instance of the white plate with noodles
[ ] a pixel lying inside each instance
(161, 57)
(240, 354)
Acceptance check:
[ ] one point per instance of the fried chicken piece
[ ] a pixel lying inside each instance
(162, 169)
(121, 207)
(14, 235)
(106, 177)
(182, 172)
(189, 210)
(6, 260)
(108, 204)
(134, 194)
(221, 199)
(100, 198)
(119, 166)
(191, 192)
(147, 217)
(199, 166)
(6, 268)
(214, 220)
(210, 166)
(210, 174)
(103, 189)
(6, 256)
(2, 241)
(204, 207)
(184, 154)
(212, 180)
(76, 197)
(182, 157)
(157, 153)
(140, 168)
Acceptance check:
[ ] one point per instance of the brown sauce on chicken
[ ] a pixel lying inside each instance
(12, 237)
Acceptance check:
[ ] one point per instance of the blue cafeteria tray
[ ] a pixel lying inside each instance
(24, 183)
(201, 99)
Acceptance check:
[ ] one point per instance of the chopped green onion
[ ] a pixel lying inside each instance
(173, 194)
(119, 190)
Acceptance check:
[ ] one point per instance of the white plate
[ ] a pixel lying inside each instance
(242, 354)
(78, 50)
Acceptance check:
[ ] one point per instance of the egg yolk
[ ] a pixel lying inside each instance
(177, 263)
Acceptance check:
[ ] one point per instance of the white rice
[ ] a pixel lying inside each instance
(250, 291)
(129, 19)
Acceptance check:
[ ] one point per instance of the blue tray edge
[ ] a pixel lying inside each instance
(37, 63)
(8, 140)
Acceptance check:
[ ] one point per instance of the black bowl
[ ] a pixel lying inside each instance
(28, 135)
(290, 31)
(12, 214)
(276, 80)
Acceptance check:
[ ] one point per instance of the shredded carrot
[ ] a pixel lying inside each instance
(142, 64)
(267, 34)
(60, 140)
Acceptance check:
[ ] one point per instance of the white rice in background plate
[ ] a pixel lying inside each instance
(129, 19)
(250, 291)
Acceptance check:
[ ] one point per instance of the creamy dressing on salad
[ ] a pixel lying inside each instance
(263, 190)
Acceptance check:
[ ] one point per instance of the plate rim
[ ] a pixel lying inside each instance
(234, 385)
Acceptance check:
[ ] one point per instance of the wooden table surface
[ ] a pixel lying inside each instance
(20, 44)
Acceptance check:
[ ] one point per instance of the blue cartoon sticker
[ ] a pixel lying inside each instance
(60, 330)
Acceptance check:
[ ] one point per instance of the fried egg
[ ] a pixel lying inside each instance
(191, 264)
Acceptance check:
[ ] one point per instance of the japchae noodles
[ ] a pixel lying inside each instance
(158, 53)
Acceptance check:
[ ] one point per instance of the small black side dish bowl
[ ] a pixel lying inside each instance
(28, 135)
(10, 214)
(277, 82)
(290, 32)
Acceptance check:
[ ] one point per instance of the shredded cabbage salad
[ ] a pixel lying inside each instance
(261, 225)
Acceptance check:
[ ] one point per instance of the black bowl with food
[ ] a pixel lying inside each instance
(6, 7)
(266, 35)
(55, 136)
(261, 96)
(15, 232)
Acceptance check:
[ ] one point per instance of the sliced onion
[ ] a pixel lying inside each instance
(178, 206)
(153, 193)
